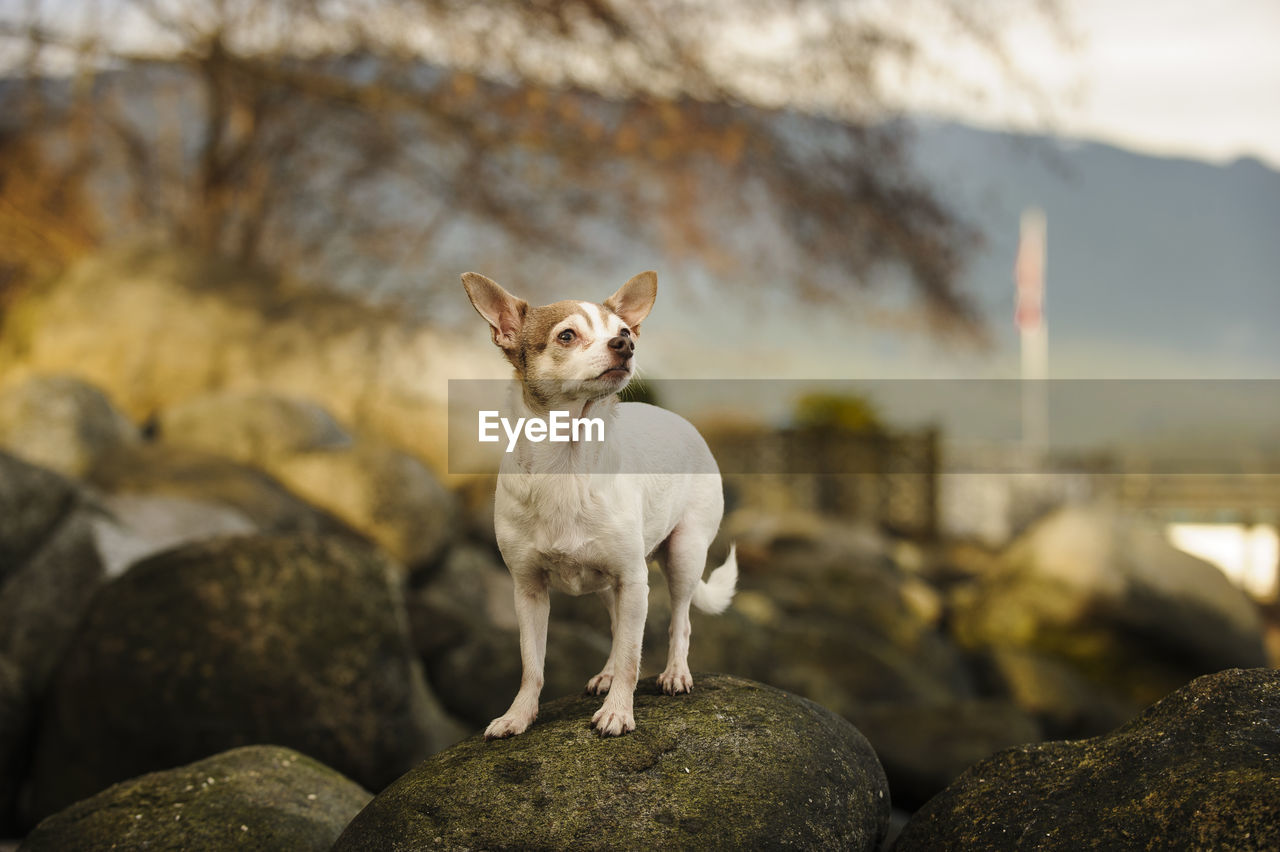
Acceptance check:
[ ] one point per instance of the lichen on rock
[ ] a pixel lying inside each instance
(298, 641)
(733, 765)
(264, 798)
(1199, 769)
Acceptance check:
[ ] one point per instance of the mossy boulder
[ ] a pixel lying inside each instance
(297, 641)
(1200, 769)
(264, 798)
(733, 765)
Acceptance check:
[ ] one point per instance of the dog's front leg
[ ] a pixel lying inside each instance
(616, 715)
(533, 606)
(599, 685)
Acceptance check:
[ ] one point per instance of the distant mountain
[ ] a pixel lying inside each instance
(1157, 267)
(1164, 267)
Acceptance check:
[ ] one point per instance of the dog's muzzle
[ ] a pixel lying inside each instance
(623, 347)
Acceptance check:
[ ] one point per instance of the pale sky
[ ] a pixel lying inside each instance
(1175, 77)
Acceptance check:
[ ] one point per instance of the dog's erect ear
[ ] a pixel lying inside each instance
(503, 311)
(634, 300)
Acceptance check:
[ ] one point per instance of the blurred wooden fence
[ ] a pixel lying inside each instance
(890, 479)
(1201, 497)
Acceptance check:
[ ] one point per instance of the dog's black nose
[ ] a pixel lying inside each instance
(624, 346)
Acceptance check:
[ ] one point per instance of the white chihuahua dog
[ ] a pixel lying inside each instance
(586, 516)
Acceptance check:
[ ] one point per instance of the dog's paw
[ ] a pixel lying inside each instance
(613, 723)
(507, 726)
(676, 682)
(599, 685)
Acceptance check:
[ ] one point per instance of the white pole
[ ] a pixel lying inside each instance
(1033, 332)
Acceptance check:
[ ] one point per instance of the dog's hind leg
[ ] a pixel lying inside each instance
(600, 684)
(686, 556)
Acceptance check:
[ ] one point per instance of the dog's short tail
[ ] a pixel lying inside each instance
(714, 593)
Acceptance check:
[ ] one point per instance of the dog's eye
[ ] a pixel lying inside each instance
(566, 336)
(625, 332)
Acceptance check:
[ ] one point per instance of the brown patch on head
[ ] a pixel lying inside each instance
(607, 312)
(538, 325)
(540, 321)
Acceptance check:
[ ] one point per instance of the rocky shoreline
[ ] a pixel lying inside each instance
(249, 575)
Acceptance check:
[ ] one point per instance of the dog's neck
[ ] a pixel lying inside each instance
(531, 405)
(562, 457)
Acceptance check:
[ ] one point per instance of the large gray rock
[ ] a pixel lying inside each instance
(470, 592)
(263, 798)
(42, 600)
(49, 570)
(834, 613)
(387, 495)
(298, 641)
(62, 423)
(924, 747)
(16, 711)
(477, 679)
(156, 497)
(732, 765)
(1198, 770)
(1065, 703)
(253, 427)
(33, 502)
(135, 526)
(157, 470)
(1103, 592)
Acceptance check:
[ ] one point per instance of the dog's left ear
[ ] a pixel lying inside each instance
(634, 300)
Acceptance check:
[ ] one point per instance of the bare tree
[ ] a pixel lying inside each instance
(528, 116)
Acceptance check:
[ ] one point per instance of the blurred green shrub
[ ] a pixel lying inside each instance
(837, 412)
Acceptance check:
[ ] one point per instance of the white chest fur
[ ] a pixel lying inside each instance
(588, 530)
(572, 527)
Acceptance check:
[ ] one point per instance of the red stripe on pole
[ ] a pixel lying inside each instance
(1028, 271)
